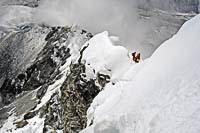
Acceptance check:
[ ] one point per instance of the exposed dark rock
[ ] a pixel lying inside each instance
(81, 53)
(51, 33)
(21, 124)
(29, 3)
(103, 79)
(30, 115)
(89, 35)
(42, 91)
(76, 98)
(19, 49)
(21, 76)
(68, 112)
(27, 72)
(43, 71)
(52, 113)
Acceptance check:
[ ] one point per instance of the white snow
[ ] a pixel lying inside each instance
(159, 95)
(52, 89)
(104, 57)
(35, 125)
(74, 46)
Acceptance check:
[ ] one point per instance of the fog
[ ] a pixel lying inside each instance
(119, 17)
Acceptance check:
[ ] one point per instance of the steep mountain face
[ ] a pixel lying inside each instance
(161, 26)
(158, 23)
(158, 95)
(19, 48)
(57, 84)
(184, 6)
(163, 19)
(49, 76)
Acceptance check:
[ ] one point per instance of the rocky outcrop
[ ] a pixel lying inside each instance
(38, 62)
(29, 3)
(67, 107)
(18, 50)
(68, 112)
(77, 94)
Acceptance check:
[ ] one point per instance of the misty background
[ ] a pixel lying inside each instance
(141, 25)
(116, 16)
(131, 20)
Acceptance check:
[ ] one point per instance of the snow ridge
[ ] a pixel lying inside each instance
(161, 94)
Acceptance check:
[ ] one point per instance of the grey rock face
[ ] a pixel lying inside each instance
(40, 72)
(21, 124)
(18, 50)
(66, 112)
(159, 26)
(160, 19)
(29, 3)
(24, 103)
(76, 98)
(31, 57)
(184, 6)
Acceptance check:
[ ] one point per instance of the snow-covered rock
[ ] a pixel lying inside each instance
(104, 57)
(54, 92)
(161, 94)
(48, 81)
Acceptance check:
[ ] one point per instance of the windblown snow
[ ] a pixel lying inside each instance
(158, 95)
(104, 57)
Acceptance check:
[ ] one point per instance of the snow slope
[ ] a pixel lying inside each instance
(104, 57)
(159, 95)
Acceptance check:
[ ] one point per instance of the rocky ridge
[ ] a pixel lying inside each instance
(56, 82)
(42, 75)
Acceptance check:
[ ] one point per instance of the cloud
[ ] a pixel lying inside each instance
(117, 16)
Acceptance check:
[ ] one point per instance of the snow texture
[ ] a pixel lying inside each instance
(159, 95)
(104, 57)
(74, 47)
(35, 125)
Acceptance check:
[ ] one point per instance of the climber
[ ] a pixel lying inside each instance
(135, 57)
